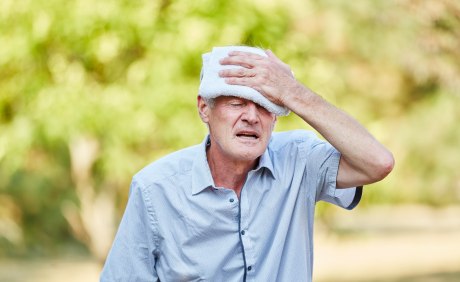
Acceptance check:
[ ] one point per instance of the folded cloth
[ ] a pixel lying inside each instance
(212, 85)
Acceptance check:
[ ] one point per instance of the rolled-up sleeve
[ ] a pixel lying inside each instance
(131, 257)
(328, 159)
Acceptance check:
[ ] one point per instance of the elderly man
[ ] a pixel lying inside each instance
(240, 206)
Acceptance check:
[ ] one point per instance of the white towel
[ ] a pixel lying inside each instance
(212, 85)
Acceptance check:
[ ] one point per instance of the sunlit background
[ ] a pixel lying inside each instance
(92, 91)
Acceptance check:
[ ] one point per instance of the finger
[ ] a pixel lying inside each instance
(244, 59)
(271, 55)
(239, 72)
(244, 81)
(245, 54)
(236, 80)
(238, 61)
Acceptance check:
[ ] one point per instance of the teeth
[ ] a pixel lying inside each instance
(247, 136)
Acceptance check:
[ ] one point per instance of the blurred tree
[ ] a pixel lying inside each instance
(90, 92)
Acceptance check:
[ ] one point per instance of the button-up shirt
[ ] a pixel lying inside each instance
(178, 226)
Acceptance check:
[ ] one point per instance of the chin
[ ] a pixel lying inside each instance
(250, 155)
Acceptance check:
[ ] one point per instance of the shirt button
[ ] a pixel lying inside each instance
(249, 268)
(232, 200)
(242, 232)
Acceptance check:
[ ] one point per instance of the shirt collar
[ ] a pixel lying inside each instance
(266, 162)
(201, 173)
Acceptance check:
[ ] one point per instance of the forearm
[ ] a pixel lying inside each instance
(364, 159)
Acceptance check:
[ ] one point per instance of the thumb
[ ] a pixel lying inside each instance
(270, 54)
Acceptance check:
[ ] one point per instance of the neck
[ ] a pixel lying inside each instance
(229, 174)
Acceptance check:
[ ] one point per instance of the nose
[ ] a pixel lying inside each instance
(251, 113)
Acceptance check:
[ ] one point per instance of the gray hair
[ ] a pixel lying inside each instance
(209, 101)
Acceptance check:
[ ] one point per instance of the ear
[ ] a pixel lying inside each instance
(203, 109)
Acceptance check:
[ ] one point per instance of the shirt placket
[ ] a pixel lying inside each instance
(245, 229)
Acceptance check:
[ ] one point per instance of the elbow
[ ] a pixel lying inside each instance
(383, 166)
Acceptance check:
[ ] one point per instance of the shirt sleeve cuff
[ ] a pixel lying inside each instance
(347, 198)
(356, 198)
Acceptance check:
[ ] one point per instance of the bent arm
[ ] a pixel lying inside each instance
(364, 160)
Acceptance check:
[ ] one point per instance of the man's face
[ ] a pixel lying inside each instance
(239, 129)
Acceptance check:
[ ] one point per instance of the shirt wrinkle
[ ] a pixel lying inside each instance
(201, 234)
(151, 216)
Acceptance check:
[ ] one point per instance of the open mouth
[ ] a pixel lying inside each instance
(248, 135)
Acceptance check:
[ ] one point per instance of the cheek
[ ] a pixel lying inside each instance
(221, 131)
(270, 125)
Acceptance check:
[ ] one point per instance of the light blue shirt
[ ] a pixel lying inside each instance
(178, 226)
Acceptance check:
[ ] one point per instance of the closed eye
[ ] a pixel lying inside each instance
(237, 103)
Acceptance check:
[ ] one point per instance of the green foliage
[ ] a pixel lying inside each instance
(126, 73)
